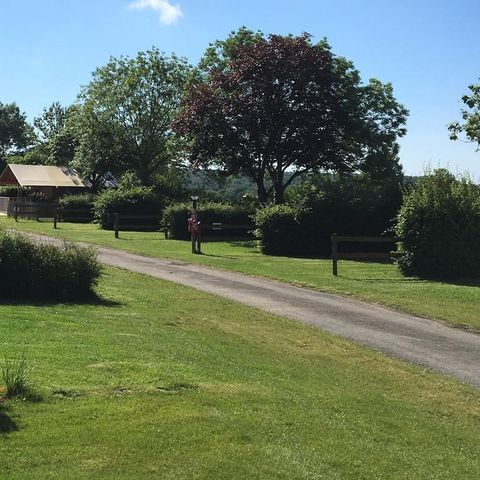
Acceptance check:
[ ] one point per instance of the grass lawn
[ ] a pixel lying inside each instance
(374, 282)
(160, 381)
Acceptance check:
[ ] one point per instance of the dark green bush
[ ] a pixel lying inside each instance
(8, 191)
(277, 229)
(77, 208)
(439, 228)
(81, 201)
(353, 205)
(128, 201)
(175, 218)
(40, 271)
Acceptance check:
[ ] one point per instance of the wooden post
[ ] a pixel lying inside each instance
(15, 212)
(116, 223)
(199, 238)
(334, 254)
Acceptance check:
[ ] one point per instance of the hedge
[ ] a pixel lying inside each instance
(175, 218)
(439, 228)
(128, 201)
(346, 206)
(82, 202)
(45, 272)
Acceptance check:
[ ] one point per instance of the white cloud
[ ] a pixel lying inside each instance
(169, 13)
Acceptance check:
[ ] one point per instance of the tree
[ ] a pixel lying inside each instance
(140, 96)
(56, 140)
(271, 105)
(470, 116)
(15, 132)
(96, 152)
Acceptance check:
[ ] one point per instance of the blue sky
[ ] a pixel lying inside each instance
(428, 49)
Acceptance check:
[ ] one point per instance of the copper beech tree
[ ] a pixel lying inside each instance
(274, 107)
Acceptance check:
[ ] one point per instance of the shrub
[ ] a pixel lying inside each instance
(176, 215)
(128, 201)
(82, 202)
(353, 205)
(15, 378)
(8, 191)
(42, 271)
(439, 228)
(277, 230)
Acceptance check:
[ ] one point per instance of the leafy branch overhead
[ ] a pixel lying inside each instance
(267, 105)
(471, 117)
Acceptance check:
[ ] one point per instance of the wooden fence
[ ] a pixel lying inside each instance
(336, 255)
(133, 222)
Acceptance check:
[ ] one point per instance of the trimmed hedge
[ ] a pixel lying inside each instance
(45, 272)
(128, 201)
(439, 228)
(346, 206)
(175, 218)
(82, 202)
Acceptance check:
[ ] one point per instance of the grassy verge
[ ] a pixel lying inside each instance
(458, 304)
(142, 385)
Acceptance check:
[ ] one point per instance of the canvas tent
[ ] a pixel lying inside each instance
(48, 180)
(40, 176)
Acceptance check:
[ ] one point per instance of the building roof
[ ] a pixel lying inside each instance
(40, 176)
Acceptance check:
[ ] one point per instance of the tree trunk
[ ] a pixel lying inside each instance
(261, 191)
(279, 193)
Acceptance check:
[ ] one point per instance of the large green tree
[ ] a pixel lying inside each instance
(275, 107)
(140, 96)
(16, 134)
(97, 150)
(56, 141)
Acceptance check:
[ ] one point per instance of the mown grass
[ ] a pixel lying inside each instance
(458, 304)
(160, 381)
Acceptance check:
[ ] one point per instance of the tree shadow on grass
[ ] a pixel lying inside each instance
(93, 300)
(7, 424)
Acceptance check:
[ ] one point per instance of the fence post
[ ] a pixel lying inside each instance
(199, 238)
(116, 223)
(55, 218)
(15, 212)
(334, 254)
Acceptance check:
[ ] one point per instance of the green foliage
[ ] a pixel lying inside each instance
(81, 200)
(268, 105)
(176, 215)
(42, 271)
(277, 229)
(136, 99)
(439, 228)
(128, 201)
(15, 132)
(471, 117)
(8, 191)
(15, 378)
(77, 208)
(346, 205)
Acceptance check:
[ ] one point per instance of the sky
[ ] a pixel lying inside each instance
(428, 49)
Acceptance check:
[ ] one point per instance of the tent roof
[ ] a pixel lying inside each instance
(40, 176)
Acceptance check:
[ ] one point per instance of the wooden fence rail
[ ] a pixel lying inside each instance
(357, 255)
(119, 219)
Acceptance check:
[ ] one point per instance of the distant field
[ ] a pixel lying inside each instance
(160, 381)
(374, 282)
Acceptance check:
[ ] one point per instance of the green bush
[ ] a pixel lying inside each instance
(8, 191)
(277, 229)
(175, 218)
(41, 271)
(15, 378)
(128, 201)
(439, 228)
(83, 202)
(354, 205)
